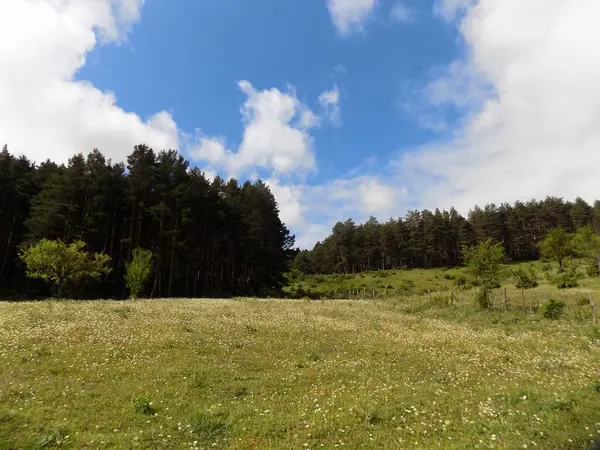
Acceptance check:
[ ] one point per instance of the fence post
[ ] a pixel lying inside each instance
(594, 310)
(429, 295)
(452, 298)
(523, 295)
(505, 301)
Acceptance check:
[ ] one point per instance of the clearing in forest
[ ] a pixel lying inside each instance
(275, 374)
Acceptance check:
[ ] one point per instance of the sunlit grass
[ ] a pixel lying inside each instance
(390, 283)
(246, 374)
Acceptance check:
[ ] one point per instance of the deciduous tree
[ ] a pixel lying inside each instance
(138, 271)
(587, 245)
(557, 246)
(63, 264)
(484, 263)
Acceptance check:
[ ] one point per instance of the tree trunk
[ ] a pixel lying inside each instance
(8, 248)
(61, 288)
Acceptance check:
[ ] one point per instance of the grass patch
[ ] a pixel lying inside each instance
(408, 372)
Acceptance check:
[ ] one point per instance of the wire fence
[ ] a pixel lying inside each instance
(503, 299)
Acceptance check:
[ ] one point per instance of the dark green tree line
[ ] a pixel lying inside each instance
(207, 237)
(428, 239)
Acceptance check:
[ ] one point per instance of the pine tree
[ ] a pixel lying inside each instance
(209, 238)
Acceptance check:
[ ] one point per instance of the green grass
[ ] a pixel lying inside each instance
(247, 374)
(417, 281)
(423, 279)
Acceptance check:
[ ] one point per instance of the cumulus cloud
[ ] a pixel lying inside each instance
(534, 132)
(288, 199)
(44, 112)
(349, 16)
(361, 195)
(401, 13)
(212, 150)
(312, 210)
(276, 135)
(311, 234)
(330, 101)
(321, 206)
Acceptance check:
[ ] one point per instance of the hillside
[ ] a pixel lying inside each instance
(418, 282)
(277, 374)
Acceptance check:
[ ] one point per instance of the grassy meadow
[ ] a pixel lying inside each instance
(391, 283)
(401, 373)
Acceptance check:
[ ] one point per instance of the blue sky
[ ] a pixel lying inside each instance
(346, 108)
(187, 57)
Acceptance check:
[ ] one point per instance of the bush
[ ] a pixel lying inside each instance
(525, 279)
(554, 309)
(143, 405)
(295, 275)
(138, 271)
(593, 270)
(461, 282)
(583, 301)
(568, 279)
(448, 276)
(407, 285)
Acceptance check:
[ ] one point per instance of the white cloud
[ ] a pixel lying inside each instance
(288, 199)
(311, 234)
(330, 101)
(536, 132)
(320, 206)
(312, 210)
(361, 195)
(376, 197)
(401, 13)
(210, 150)
(275, 136)
(461, 85)
(44, 112)
(349, 16)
